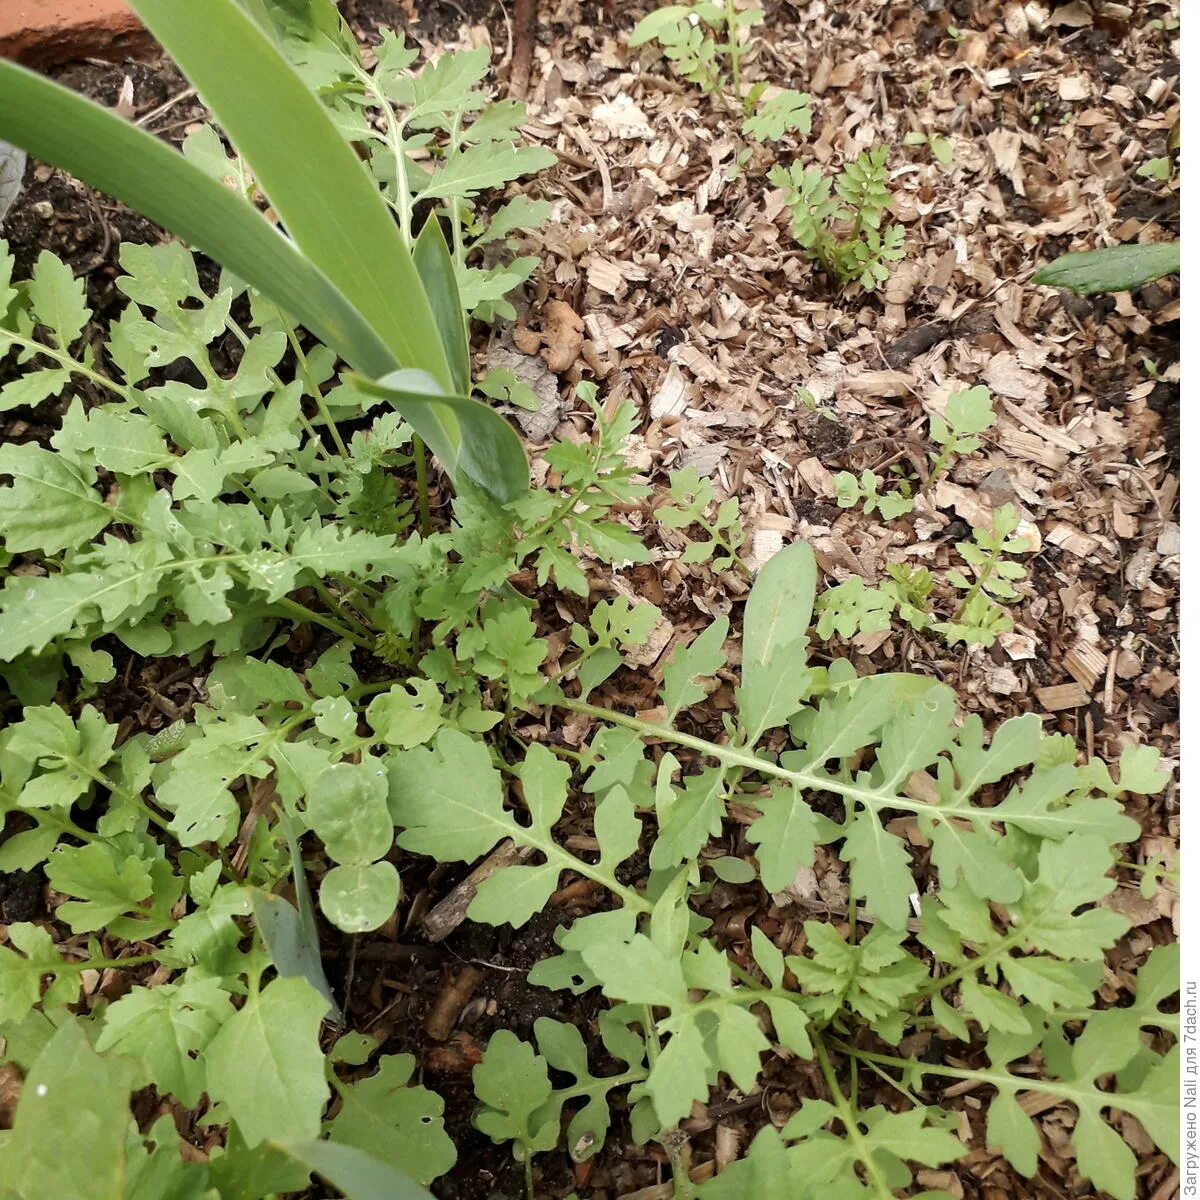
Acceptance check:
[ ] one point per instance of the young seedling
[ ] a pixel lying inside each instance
(700, 39)
(980, 615)
(839, 222)
(956, 431)
(770, 120)
(693, 498)
(855, 489)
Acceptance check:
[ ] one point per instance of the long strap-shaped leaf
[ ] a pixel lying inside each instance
(328, 203)
(90, 142)
(330, 207)
(93, 144)
(487, 452)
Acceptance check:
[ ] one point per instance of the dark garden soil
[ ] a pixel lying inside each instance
(698, 307)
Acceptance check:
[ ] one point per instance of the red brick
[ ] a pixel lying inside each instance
(43, 32)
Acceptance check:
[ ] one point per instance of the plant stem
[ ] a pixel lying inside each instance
(314, 390)
(849, 1121)
(422, 470)
(735, 49)
(303, 613)
(886, 795)
(103, 964)
(999, 1079)
(983, 574)
(65, 360)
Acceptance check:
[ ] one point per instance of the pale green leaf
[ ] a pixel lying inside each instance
(50, 505)
(703, 658)
(359, 897)
(72, 1121)
(266, 1063)
(775, 679)
(396, 1121)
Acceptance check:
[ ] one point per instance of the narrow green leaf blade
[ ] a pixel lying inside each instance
(356, 1175)
(490, 454)
(436, 268)
(95, 145)
(315, 182)
(1113, 269)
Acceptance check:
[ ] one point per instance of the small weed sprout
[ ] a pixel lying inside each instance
(839, 223)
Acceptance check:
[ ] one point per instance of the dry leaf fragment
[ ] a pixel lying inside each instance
(1062, 696)
(1005, 145)
(562, 333)
(622, 119)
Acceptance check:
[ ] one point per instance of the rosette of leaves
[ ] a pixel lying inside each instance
(839, 222)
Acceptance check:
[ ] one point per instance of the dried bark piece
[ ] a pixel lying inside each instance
(457, 988)
(448, 914)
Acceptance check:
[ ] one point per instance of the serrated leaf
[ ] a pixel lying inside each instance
(637, 971)
(266, 1063)
(513, 1083)
(880, 869)
(1103, 1157)
(396, 1121)
(785, 835)
(57, 299)
(1046, 982)
(30, 956)
(544, 781)
(1010, 1130)
(992, 1009)
(107, 883)
(29, 390)
(486, 166)
(694, 816)
(167, 1028)
(50, 505)
(703, 658)
(407, 715)
(447, 800)
(680, 1076)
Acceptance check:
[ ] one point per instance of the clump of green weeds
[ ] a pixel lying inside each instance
(979, 615)
(839, 222)
(701, 40)
(373, 690)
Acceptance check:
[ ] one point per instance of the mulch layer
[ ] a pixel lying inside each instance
(746, 363)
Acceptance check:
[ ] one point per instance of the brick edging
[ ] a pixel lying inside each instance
(41, 33)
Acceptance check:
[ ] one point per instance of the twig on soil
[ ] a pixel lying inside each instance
(456, 990)
(448, 914)
(524, 20)
(165, 107)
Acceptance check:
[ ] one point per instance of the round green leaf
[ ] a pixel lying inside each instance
(347, 810)
(732, 870)
(358, 899)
